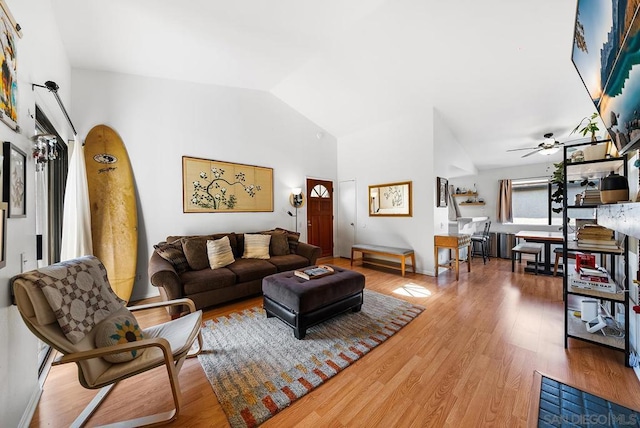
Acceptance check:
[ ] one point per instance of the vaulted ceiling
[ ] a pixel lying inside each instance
(499, 72)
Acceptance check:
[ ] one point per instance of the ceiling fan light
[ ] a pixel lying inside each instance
(549, 151)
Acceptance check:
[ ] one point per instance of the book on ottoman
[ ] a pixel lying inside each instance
(313, 272)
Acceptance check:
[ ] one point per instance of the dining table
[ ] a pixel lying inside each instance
(546, 238)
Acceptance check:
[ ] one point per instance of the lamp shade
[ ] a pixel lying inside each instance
(296, 190)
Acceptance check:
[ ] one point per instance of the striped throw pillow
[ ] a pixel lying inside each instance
(219, 253)
(256, 246)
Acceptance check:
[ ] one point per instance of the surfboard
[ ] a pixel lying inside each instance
(114, 215)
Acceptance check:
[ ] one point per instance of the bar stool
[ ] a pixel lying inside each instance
(453, 241)
(482, 239)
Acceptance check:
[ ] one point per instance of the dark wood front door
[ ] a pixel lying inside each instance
(320, 215)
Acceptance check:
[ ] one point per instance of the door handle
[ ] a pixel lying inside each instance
(351, 224)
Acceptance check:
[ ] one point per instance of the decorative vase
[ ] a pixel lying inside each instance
(614, 188)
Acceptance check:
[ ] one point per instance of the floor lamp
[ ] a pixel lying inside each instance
(296, 200)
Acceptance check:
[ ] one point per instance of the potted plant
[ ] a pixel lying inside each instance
(557, 179)
(590, 128)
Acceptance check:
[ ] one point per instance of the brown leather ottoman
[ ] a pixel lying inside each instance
(303, 303)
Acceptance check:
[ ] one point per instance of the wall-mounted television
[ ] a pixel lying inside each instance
(606, 54)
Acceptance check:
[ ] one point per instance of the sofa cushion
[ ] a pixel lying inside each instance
(256, 246)
(172, 252)
(289, 262)
(279, 244)
(199, 281)
(195, 250)
(292, 237)
(251, 269)
(219, 253)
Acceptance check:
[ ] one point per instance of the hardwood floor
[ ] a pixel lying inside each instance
(468, 360)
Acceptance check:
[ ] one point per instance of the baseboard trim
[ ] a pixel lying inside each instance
(28, 413)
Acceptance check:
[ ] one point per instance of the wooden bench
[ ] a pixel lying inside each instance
(526, 248)
(381, 250)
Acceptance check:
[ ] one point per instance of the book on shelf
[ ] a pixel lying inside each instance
(606, 285)
(593, 272)
(586, 246)
(313, 272)
(598, 241)
(595, 229)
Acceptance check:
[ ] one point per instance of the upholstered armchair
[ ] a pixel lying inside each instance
(71, 306)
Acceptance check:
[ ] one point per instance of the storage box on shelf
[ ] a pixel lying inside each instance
(610, 247)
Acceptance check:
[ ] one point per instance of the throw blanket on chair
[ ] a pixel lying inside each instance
(79, 294)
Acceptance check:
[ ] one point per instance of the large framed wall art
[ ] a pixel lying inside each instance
(14, 176)
(214, 186)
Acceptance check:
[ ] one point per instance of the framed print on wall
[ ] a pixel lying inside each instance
(442, 192)
(390, 199)
(14, 176)
(210, 186)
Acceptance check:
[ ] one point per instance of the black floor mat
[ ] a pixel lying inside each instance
(565, 406)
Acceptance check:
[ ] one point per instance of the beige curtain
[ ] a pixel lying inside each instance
(454, 211)
(505, 212)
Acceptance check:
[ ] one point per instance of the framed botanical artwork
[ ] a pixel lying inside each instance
(441, 185)
(210, 186)
(9, 69)
(3, 234)
(14, 176)
(390, 199)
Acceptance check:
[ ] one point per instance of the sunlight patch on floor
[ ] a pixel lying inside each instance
(412, 290)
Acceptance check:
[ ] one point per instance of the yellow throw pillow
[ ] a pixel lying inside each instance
(219, 253)
(256, 246)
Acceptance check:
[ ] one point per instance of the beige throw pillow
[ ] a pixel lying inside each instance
(219, 253)
(256, 246)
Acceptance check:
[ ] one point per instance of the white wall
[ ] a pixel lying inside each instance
(162, 120)
(41, 57)
(397, 150)
(486, 182)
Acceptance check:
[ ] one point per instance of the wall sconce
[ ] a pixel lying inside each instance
(296, 199)
(44, 149)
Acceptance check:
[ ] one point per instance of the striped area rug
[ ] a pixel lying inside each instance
(257, 367)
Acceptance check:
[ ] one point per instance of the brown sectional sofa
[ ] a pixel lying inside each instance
(180, 267)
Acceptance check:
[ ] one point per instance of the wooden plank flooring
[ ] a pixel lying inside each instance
(468, 360)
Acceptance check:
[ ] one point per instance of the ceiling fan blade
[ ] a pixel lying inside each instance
(533, 152)
(526, 148)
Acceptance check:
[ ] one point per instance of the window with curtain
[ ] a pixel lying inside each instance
(531, 201)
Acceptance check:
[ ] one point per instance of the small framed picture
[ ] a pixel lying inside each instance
(14, 176)
(442, 192)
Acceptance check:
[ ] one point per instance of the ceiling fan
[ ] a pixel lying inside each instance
(548, 147)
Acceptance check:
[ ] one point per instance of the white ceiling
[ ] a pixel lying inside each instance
(498, 71)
